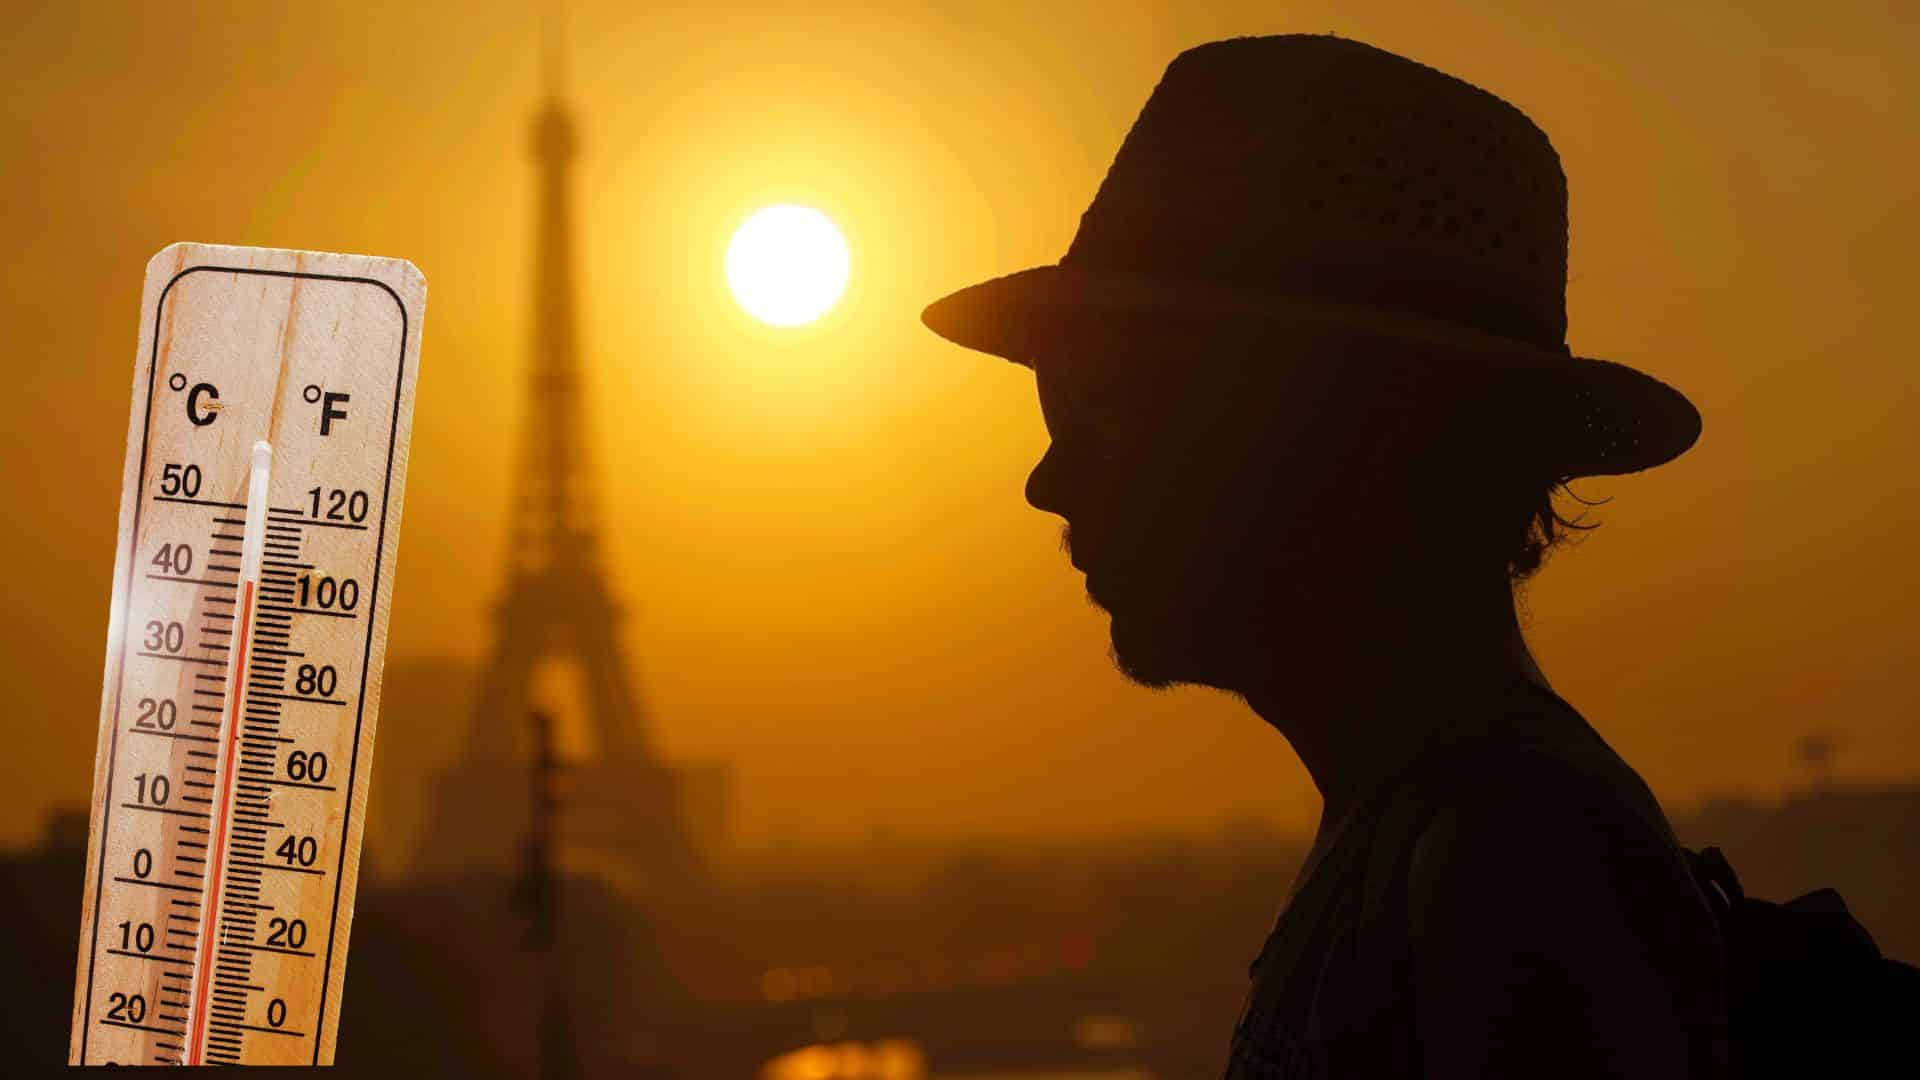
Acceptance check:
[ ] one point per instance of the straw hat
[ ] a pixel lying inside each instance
(1308, 178)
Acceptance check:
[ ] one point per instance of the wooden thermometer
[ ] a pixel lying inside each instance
(259, 519)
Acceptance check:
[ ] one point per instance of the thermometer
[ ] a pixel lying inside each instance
(252, 587)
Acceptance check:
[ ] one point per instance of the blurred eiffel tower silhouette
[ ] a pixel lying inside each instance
(629, 815)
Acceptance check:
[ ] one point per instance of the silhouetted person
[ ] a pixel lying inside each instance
(1304, 373)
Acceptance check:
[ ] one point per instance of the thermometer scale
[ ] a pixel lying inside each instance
(253, 582)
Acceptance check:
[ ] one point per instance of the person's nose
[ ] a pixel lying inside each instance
(1047, 484)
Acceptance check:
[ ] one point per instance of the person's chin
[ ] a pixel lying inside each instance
(1141, 670)
(1144, 652)
(1162, 649)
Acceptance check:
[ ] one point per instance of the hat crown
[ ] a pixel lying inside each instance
(1316, 165)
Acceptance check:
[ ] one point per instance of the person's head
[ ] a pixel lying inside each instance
(1238, 496)
(1295, 491)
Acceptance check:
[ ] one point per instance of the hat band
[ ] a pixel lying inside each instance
(1416, 287)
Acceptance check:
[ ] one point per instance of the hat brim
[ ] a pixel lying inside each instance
(1623, 420)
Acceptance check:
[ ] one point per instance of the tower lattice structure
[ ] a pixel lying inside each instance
(627, 811)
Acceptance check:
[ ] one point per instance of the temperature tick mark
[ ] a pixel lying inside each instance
(291, 697)
(266, 948)
(200, 502)
(161, 810)
(267, 1030)
(308, 611)
(138, 1027)
(172, 735)
(158, 884)
(185, 659)
(322, 524)
(290, 783)
(188, 964)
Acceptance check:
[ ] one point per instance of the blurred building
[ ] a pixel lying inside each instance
(996, 957)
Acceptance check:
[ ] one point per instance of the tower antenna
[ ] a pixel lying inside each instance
(553, 33)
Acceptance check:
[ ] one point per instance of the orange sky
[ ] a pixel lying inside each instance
(834, 579)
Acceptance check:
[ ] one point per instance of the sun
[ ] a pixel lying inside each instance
(787, 265)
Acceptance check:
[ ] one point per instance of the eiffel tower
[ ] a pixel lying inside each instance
(627, 813)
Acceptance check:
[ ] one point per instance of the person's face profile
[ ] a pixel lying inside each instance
(1125, 472)
(1169, 459)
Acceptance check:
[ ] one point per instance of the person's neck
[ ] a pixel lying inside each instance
(1351, 703)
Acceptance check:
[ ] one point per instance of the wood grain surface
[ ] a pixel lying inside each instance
(225, 841)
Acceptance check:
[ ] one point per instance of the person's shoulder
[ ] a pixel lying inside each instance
(1514, 819)
(1528, 895)
(1538, 847)
(1551, 760)
(1558, 817)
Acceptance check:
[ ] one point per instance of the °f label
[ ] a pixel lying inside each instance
(252, 585)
